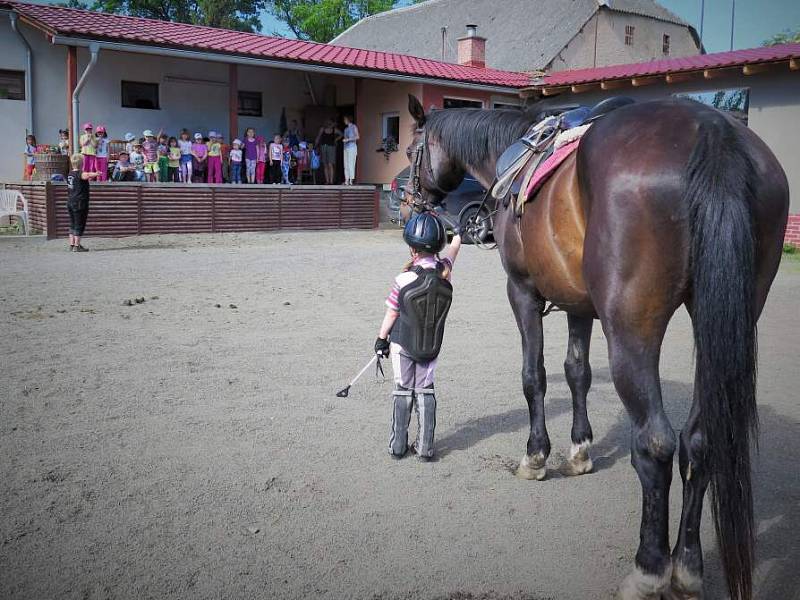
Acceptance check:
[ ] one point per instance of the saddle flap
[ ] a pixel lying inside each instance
(510, 157)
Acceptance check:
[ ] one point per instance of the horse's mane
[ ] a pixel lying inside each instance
(473, 136)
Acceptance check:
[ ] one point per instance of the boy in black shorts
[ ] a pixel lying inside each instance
(78, 201)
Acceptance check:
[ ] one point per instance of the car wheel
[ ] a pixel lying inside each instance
(476, 228)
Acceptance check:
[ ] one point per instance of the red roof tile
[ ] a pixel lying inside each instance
(672, 65)
(102, 26)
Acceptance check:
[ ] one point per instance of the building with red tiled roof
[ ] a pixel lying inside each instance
(150, 74)
(760, 86)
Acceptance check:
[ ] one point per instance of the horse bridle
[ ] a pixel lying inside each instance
(418, 203)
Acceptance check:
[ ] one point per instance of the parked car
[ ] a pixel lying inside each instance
(459, 206)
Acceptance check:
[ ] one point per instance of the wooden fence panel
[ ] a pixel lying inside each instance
(118, 209)
(179, 209)
(244, 208)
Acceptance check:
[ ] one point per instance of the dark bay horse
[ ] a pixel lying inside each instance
(665, 203)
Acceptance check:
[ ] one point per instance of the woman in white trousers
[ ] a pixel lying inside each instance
(350, 140)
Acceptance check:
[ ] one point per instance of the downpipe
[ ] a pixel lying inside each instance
(14, 19)
(94, 50)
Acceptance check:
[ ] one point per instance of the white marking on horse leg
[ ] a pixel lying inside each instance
(579, 460)
(532, 467)
(639, 585)
(685, 585)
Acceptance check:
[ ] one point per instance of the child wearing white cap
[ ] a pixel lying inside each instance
(150, 151)
(236, 161)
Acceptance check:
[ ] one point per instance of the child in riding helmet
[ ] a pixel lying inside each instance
(416, 309)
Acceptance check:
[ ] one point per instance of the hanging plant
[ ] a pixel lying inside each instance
(388, 145)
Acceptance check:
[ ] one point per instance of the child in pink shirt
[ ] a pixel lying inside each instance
(200, 156)
(261, 158)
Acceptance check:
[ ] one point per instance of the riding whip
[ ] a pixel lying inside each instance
(378, 369)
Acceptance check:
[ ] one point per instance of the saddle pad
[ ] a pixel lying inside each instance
(549, 166)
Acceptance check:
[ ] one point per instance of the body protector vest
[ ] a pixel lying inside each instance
(424, 304)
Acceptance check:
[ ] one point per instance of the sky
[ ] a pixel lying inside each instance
(756, 20)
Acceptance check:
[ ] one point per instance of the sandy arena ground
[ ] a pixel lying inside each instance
(191, 446)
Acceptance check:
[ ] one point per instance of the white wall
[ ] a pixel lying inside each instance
(195, 105)
(13, 113)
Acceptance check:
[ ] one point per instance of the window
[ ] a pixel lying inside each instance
(734, 101)
(250, 104)
(665, 44)
(391, 126)
(12, 85)
(461, 103)
(506, 106)
(137, 94)
(629, 29)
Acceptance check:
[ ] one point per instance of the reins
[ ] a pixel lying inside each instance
(420, 205)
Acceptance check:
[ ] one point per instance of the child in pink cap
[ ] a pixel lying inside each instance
(88, 143)
(101, 156)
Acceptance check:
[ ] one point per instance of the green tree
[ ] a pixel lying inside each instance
(784, 37)
(241, 15)
(323, 20)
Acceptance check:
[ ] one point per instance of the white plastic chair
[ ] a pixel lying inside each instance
(8, 207)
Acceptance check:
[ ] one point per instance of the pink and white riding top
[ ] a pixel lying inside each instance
(406, 277)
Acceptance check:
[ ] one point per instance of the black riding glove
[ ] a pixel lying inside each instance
(382, 347)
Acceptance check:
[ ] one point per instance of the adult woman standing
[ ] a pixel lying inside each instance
(326, 142)
(351, 137)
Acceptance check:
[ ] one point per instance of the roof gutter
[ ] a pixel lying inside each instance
(14, 19)
(94, 50)
(276, 64)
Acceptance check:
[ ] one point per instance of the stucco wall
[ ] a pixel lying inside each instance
(611, 48)
(49, 92)
(375, 98)
(200, 104)
(195, 105)
(378, 97)
(773, 114)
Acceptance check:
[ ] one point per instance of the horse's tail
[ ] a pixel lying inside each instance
(720, 177)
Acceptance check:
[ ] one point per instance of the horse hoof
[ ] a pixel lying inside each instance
(532, 467)
(641, 586)
(685, 585)
(579, 461)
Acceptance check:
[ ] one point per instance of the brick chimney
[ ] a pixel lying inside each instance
(472, 49)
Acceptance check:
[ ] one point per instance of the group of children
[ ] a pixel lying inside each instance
(198, 158)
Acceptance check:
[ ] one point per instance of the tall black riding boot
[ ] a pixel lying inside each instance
(402, 399)
(426, 418)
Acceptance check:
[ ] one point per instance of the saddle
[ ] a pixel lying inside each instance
(518, 164)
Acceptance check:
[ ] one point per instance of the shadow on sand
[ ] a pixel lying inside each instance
(776, 486)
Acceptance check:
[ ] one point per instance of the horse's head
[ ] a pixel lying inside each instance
(433, 173)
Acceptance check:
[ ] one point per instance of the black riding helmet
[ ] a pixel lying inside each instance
(425, 232)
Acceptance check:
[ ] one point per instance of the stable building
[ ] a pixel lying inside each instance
(60, 67)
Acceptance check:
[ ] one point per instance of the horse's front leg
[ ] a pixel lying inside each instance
(527, 306)
(579, 378)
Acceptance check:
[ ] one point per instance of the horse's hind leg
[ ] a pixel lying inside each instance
(527, 307)
(579, 378)
(634, 355)
(687, 557)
